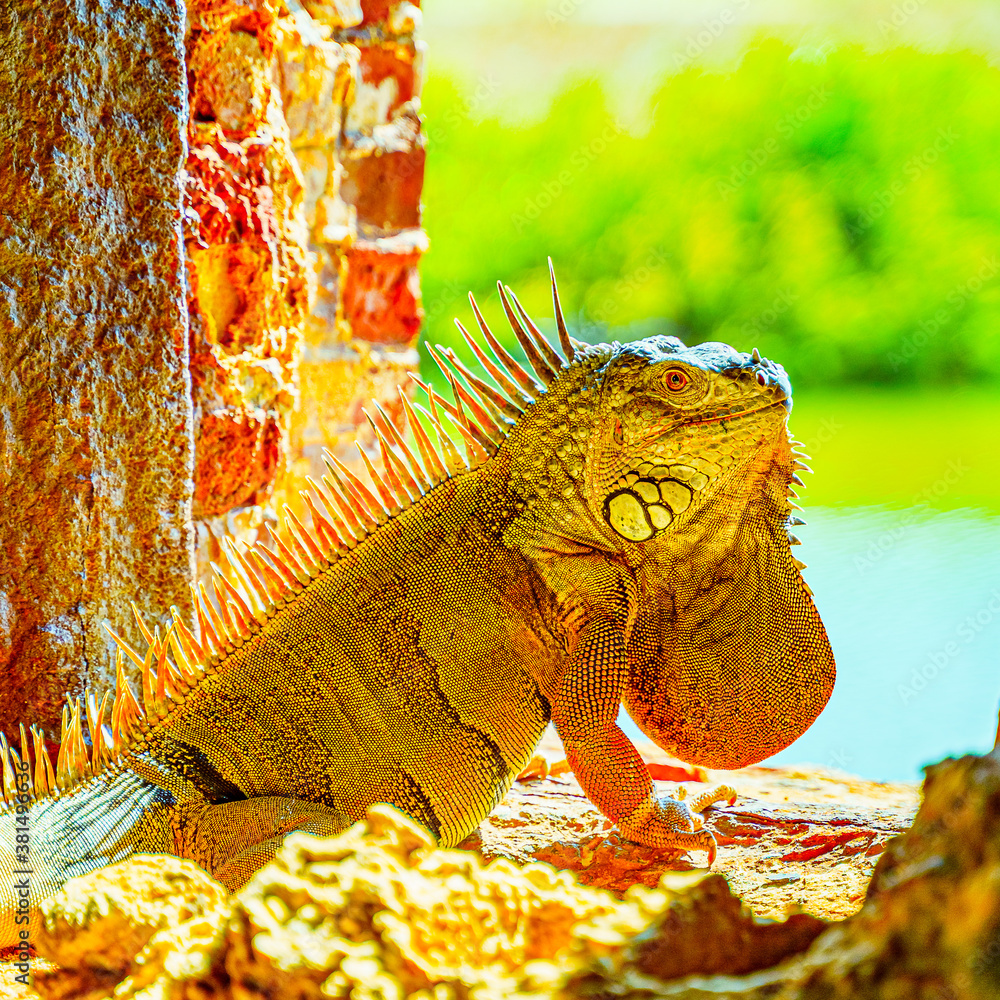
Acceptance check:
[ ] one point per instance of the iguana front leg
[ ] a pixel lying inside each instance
(603, 758)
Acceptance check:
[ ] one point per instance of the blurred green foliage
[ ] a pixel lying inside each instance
(840, 212)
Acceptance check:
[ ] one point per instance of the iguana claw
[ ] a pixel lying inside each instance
(703, 801)
(676, 823)
(713, 795)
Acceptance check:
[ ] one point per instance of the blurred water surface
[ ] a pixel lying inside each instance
(911, 601)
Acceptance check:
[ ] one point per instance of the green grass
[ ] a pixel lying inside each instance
(901, 447)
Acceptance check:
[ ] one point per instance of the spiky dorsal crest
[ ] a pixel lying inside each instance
(344, 512)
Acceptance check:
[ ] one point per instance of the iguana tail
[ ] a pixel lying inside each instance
(46, 841)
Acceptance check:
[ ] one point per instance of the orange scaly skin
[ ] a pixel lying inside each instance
(619, 534)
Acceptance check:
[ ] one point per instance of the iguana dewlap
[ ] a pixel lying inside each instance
(619, 533)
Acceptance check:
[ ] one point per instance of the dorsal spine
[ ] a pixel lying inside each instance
(344, 513)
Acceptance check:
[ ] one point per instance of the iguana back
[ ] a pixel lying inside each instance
(402, 673)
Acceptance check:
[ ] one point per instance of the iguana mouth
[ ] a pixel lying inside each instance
(735, 414)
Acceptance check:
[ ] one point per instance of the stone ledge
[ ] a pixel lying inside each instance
(803, 837)
(379, 905)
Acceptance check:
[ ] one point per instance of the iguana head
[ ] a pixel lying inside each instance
(683, 437)
(690, 468)
(675, 462)
(687, 473)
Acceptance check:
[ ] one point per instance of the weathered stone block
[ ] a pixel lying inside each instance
(381, 289)
(384, 177)
(316, 78)
(236, 460)
(231, 80)
(335, 13)
(389, 10)
(336, 384)
(250, 293)
(96, 449)
(386, 81)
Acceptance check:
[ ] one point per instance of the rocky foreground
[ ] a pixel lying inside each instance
(824, 886)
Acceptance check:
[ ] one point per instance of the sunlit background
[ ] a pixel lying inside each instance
(818, 180)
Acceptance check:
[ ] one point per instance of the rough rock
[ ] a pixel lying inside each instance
(96, 454)
(930, 926)
(379, 911)
(795, 837)
(124, 927)
(383, 912)
(384, 174)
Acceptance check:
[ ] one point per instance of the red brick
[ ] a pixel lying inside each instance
(236, 459)
(385, 187)
(376, 10)
(377, 62)
(381, 294)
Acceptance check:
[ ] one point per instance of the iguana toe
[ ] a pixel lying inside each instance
(676, 823)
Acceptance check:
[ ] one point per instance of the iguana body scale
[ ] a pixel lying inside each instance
(618, 533)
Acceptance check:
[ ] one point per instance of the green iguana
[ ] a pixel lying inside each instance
(619, 533)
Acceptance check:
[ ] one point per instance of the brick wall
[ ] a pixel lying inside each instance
(303, 209)
(147, 417)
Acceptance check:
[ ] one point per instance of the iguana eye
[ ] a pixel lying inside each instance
(675, 379)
